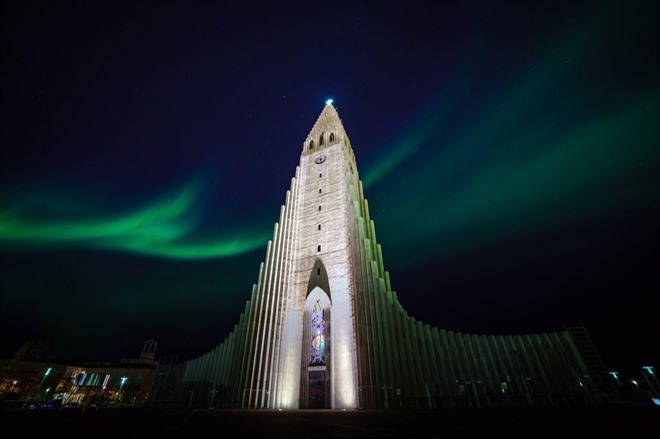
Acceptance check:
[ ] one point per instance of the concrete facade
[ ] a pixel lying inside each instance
(324, 254)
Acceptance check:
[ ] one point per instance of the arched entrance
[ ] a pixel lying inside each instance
(316, 351)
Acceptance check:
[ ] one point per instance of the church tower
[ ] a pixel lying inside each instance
(318, 363)
(323, 328)
(302, 340)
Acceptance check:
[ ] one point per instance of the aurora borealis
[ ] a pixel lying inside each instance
(509, 153)
(159, 229)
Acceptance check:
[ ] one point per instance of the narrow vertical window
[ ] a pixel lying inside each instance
(317, 348)
(318, 271)
(332, 137)
(311, 144)
(319, 226)
(321, 140)
(321, 175)
(319, 190)
(318, 248)
(319, 208)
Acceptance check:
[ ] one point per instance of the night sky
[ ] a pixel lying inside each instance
(509, 151)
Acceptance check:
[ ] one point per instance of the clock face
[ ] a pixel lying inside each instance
(320, 159)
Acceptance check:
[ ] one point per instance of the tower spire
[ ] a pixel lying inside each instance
(327, 125)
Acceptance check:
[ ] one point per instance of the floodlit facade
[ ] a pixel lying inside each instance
(323, 328)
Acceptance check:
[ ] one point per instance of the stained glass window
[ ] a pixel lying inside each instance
(317, 348)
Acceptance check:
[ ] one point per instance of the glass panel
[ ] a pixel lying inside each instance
(317, 348)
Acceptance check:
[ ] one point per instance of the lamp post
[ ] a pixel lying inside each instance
(615, 376)
(213, 392)
(41, 383)
(649, 372)
(42, 380)
(122, 381)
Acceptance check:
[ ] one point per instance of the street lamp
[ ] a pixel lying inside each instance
(41, 383)
(43, 379)
(649, 373)
(122, 381)
(615, 375)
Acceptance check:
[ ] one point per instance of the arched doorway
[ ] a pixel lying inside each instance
(316, 345)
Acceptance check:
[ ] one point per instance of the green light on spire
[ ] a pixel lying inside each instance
(329, 102)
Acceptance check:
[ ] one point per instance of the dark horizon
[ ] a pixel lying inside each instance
(508, 153)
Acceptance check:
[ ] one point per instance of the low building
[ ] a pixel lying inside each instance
(33, 382)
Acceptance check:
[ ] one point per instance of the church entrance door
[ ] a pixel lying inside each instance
(316, 399)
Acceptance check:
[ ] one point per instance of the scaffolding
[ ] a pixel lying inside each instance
(599, 378)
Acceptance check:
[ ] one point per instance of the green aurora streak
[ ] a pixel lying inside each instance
(514, 169)
(163, 228)
(598, 168)
(519, 168)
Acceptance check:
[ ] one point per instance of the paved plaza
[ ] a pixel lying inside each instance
(635, 421)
